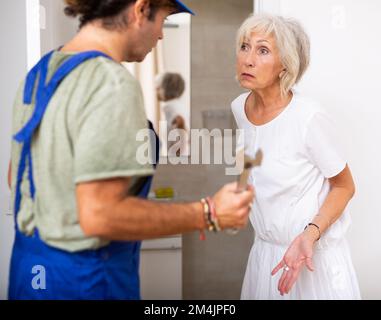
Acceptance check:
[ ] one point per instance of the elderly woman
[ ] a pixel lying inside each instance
(170, 88)
(304, 183)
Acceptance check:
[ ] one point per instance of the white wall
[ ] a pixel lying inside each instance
(13, 66)
(56, 27)
(23, 44)
(345, 77)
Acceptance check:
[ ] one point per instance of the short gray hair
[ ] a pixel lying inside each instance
(292, 41)
(172, 85)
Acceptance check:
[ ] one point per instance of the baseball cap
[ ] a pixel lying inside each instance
(182, 7)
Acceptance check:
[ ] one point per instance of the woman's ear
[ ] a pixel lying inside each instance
(282, 74)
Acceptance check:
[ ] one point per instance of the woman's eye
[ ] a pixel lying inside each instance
(263, 51)
(244, 47)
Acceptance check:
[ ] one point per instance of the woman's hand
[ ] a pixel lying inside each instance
(298, 254)
(178, 123)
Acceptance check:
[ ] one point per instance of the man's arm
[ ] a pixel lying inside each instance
(105, 211)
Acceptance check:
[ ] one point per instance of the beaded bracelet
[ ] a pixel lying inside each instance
(210, 217)
(213, 218)
(206, 212)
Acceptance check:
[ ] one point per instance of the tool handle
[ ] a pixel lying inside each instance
(243, 181)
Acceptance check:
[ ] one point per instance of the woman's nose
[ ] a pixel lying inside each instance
(249, 61)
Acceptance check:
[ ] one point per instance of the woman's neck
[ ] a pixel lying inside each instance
(264, 106)
(270, 99)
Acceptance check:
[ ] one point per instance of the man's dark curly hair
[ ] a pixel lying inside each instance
(109, 11)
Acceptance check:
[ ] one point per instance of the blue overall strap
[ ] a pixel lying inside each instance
(39, 70)
(48, 91)
(32, 77)
(43, 96)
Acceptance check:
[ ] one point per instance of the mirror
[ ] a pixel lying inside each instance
(175, 80)
(164, 76)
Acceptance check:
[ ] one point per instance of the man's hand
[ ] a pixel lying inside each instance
(106, 211)
(233, 208)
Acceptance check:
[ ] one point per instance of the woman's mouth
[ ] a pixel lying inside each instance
(247, 75)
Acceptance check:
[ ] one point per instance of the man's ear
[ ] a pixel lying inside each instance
(142, 10)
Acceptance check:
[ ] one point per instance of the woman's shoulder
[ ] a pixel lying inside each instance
(238, 108)
(306, 107)
(239, 102)
(238, 105)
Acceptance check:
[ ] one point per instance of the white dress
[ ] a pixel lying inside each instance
(171, 110)
(300, 153)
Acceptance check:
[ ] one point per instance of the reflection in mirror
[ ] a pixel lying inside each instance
(176, 64)
(165, 79)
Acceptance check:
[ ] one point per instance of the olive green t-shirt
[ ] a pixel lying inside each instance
(88, 133)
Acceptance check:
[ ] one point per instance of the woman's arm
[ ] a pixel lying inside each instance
(342, 190)
(10, 175)
(300, 252)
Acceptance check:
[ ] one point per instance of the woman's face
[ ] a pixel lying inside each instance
(258, 62)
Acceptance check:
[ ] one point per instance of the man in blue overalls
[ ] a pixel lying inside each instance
(76, 179)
